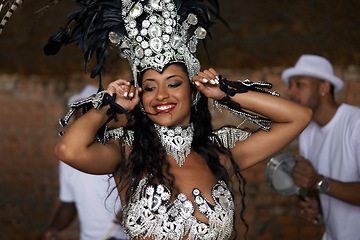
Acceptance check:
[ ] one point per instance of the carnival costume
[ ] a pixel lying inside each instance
(152, 34)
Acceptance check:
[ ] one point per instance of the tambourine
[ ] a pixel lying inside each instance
(278, 174)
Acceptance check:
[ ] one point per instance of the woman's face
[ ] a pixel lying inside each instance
(167, 96)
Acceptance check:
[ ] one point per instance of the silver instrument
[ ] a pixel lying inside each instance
(278, 175)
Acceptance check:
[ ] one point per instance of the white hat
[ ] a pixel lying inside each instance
(87, 91)
(313, 66)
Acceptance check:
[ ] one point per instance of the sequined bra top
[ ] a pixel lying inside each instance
(149, 214)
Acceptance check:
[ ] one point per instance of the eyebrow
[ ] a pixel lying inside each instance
(172, 76)
(169, 77)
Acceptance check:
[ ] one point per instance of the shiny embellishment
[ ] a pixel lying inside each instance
(149, 214)
(136, 11)
(156, 4)
(114, 38)
(228, 136)
(200, 33)
(192, 19)
(160, 40)
(120, 133)
(176, 141)
(98, 99)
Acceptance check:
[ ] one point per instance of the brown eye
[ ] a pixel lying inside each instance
(175, 85)
(149, 89)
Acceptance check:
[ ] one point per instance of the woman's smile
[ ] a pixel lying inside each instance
(164, 107)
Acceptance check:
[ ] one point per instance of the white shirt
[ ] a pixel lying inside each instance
(96, 211)
(334, 151)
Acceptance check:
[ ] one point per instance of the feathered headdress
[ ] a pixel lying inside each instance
(148, 33)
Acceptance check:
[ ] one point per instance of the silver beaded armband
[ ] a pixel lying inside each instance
(230, 88)
(253, 118)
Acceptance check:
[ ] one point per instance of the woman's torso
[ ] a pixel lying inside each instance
(201, 207)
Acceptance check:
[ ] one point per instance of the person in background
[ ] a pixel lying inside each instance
(87, 196)
(329, 165)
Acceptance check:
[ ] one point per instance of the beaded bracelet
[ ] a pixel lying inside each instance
(96, 101)
(230, 88)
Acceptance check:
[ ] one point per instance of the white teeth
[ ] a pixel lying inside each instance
(164, 107)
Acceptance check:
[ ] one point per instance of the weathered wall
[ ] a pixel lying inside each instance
(266, 37)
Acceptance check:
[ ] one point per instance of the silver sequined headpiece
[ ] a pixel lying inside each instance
(155, 38)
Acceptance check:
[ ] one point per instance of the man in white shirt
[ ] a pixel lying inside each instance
(329, 165)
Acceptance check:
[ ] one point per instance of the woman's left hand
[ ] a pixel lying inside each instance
(207, 82)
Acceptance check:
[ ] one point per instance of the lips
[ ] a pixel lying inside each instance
(164, 108)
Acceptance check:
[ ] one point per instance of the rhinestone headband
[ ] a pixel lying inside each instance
(155, 38)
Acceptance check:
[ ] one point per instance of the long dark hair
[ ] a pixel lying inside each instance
(148, 157)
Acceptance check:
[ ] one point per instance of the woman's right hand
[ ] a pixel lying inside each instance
(127, 96)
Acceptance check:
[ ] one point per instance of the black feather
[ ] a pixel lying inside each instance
(90, 26)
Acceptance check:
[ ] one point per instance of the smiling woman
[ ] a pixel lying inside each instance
(166, 96)
(174, 172)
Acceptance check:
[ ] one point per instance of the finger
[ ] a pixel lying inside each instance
(215, 74)
(301, 213)
(124, 88)
(299, 177)
(302, 205)
(199, 79)
(212, 76)
(314, 220)
(131, 91)
(204, 78)
(136, 97)
(122, 82)
(200, 86)
(213, 71)
(299, 157)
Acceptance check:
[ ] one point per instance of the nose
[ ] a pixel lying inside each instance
(162, 93)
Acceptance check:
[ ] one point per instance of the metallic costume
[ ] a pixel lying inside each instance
(149, 213)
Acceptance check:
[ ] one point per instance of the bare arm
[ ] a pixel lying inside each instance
(346, 191)
(63, 218)
(78, 148)
(305, 176)
(289, 119)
